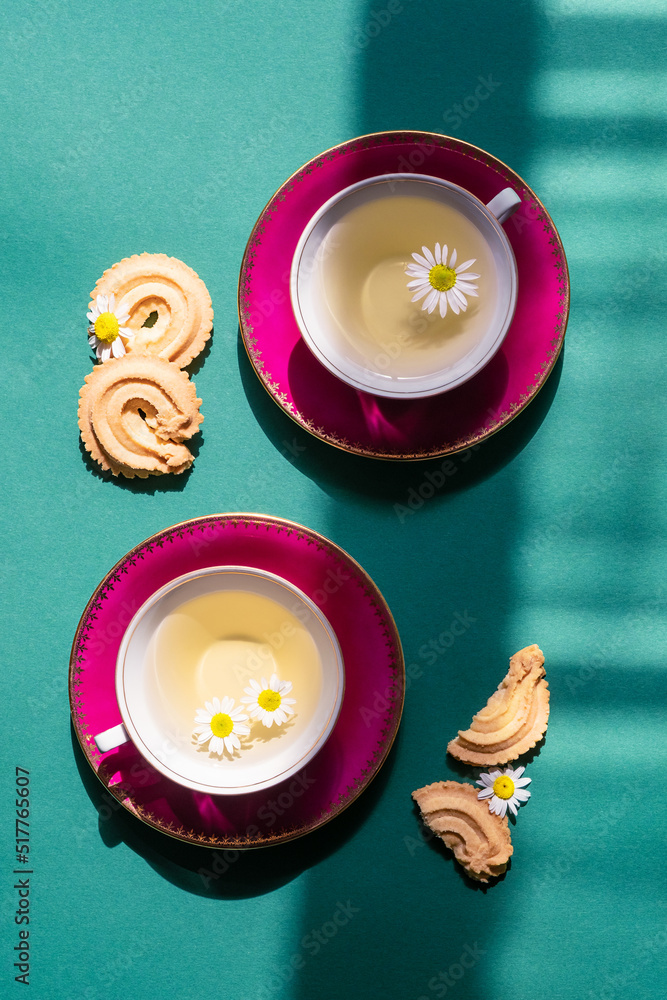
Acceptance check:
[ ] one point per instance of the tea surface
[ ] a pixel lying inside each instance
(364, 286)
(212, 646)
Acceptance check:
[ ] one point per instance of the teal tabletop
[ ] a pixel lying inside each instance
(165, 127)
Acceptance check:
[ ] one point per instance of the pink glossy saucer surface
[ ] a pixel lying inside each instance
(370, 425)
(374, 680)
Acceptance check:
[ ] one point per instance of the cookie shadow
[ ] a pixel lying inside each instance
(167, 483)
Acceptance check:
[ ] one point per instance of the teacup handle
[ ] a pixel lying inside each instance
(111, 738)
(504, 204)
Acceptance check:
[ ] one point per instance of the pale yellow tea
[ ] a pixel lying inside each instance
(364, 287)
(213, 645)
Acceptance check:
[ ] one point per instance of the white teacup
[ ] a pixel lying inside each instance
(349, 288)
(206, 635)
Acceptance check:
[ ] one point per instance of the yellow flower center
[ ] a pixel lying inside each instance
(106, 327)
(221, 724)
(503, 787)
(442, 278)
(269, 700)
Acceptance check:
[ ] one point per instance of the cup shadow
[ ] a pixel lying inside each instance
(225, 873)
(339, 472)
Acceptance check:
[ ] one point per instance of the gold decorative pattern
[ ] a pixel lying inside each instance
(394, 699)
(491, 425)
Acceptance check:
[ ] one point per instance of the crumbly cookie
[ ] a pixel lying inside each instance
(135, 411)
(514, 719)
(154, 282)
(479, 839)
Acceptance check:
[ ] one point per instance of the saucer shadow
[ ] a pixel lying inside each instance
(225, 873)
(340, 472)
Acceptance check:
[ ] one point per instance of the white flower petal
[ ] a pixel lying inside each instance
(274, 683)
(419, 283)
(93, 341)
(122, 317)
(521, 795)
(518, 771)
(444, 251)
(216, 745)
(105, 352)
(453, 301)
(468, 276)
(438, 255)
(118, 348)
(112, 303)
(421, 260)
(495, 774)
(429, 256)
(485, 793)
(443, 306)
(92, 316)
(467, 289)
(431, 301)
(466, 263)
(452, 259)
(417, 272)
(460, 298)
(485, 779)
(512, 806)
(420, 294)
(103, 303)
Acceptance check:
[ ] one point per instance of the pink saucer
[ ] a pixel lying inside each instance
(386, 428)
(374, 680)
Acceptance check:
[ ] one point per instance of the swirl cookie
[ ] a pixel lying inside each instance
(479, 839)
(134, 414)
(155, 283)
(514, 719)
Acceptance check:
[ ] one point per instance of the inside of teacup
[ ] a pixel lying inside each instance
(356, 296)
(229, 681)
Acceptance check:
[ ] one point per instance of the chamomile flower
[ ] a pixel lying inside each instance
(107, 334)
(267, 701)
(442, 283)
(504, 790)
(220, 724)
